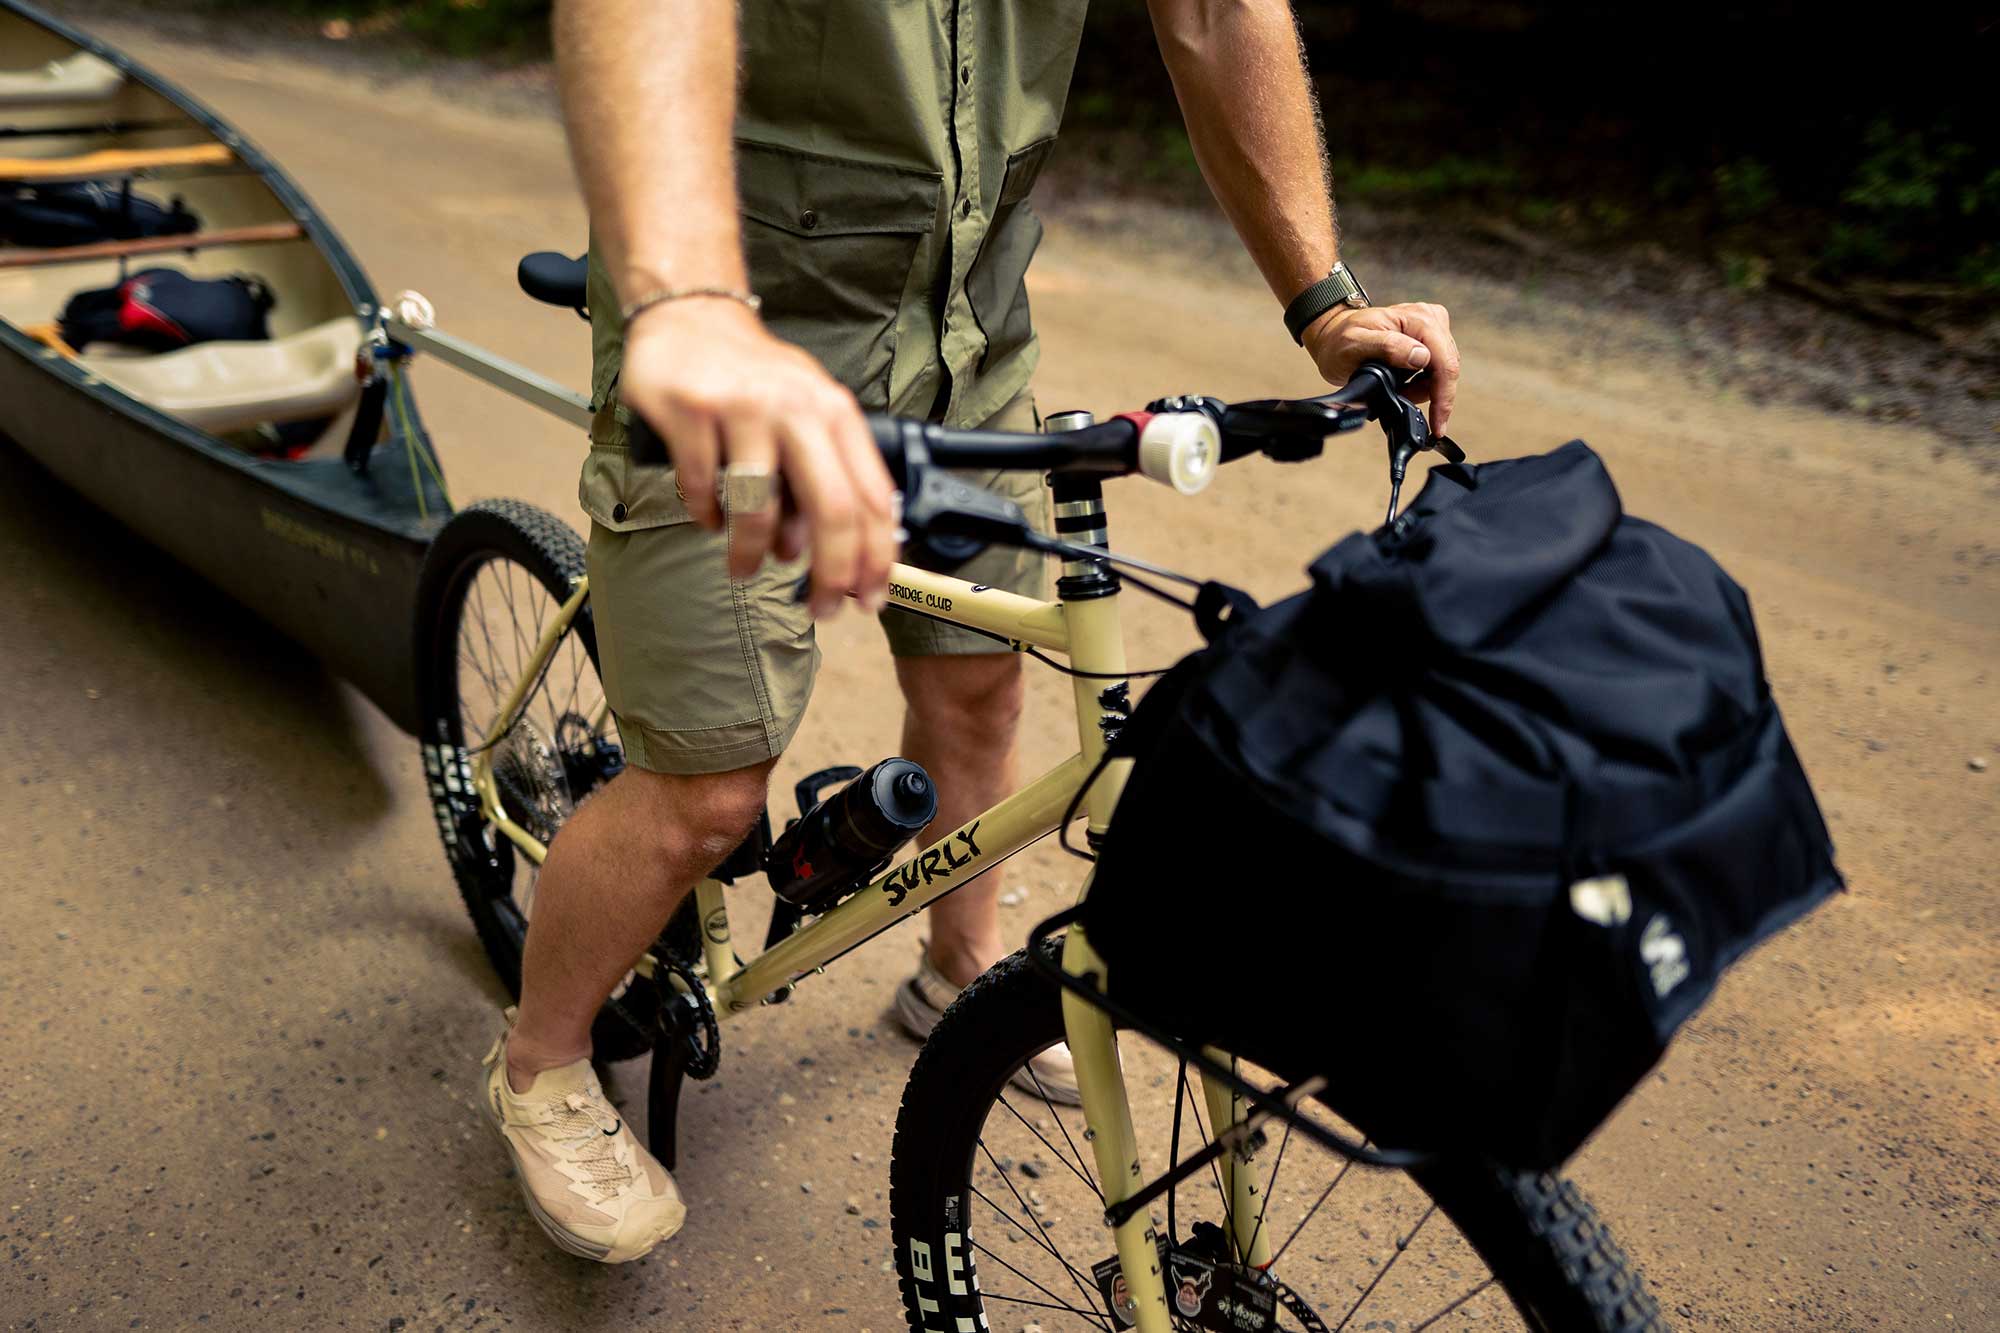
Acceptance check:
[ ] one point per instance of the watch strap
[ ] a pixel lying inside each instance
(1339, 287)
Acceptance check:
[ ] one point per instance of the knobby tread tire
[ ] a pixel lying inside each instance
(1538, 1234)
(552, 552)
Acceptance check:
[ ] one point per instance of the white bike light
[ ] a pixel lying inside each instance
(1180, 449)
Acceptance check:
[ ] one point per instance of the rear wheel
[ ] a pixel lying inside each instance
(495, 578)
(998, 1218)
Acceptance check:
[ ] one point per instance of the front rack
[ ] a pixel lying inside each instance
(1278, 1103)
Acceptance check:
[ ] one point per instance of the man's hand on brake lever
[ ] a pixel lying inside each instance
(1409, 337)
(720, 391)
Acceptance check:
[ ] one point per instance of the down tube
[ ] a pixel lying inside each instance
(907, 889)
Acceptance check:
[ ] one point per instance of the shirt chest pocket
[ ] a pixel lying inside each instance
(996, 286)
(834, 248)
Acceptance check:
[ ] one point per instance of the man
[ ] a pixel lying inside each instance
(872, 169)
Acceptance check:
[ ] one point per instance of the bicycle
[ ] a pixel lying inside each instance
(984, 1177)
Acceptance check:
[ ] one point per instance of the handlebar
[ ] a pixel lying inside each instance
(1287, 430)
(1178, 441)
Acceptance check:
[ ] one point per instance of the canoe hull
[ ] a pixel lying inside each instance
(327, 557)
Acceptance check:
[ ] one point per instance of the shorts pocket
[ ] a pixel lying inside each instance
(625, 498)
(832, 245)
(996, 286)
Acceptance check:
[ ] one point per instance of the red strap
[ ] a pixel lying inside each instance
(1138, 419)
(136, 316)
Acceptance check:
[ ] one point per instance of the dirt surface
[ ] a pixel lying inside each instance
(244, 1009)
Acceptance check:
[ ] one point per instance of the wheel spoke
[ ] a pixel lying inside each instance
(1331, 1185)
(1096, 1316)
(1419, 1328)
(1057, 1117)
(1030, 1214)
(1055, 1152)
(1402, 1248)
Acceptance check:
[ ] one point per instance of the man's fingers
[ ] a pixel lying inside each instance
(749, 445)
(694, 442)
(1393, 346)
(1432, 323)
(875, 496)
(792, 534)
(825, 494)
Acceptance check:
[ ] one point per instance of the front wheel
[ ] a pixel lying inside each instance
(998, 1217)
(498, 575)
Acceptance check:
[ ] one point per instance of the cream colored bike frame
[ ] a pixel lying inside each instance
(1090, 634)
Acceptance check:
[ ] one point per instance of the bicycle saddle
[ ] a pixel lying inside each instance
(552, 278)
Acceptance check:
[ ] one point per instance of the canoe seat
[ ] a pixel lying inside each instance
(227, 386)
(78, 78)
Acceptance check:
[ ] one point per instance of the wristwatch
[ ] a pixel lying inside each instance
(1339, 287)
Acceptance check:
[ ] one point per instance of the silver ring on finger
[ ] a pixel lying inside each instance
(746, 488)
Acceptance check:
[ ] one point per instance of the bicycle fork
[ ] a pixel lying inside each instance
(1114, 1145)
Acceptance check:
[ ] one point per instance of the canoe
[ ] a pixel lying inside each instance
(293, 471)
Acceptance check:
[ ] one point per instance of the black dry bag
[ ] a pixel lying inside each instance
(78, 213)
(1491, 805)
(160, 309)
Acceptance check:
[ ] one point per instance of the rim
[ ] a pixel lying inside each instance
(1350, 1247)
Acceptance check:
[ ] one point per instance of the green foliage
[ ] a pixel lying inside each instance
(1744, 190)
(1448, 177)
(515, 28)
(1745, 272)
(468, 27)
(1919, 200)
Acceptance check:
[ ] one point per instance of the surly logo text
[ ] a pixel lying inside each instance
(933, 864)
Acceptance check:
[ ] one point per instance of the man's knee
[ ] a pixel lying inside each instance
(697, 819)
(973, 700)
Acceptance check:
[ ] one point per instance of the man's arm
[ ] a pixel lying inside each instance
(649, 98)
(1240, 76)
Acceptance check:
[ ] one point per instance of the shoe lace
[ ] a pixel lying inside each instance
(583, 1121)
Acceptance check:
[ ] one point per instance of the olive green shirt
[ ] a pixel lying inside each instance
(885, 152)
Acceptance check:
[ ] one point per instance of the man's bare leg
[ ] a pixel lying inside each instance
(963, 714)
(613, 878)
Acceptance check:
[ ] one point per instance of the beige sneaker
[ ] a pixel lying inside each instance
(921, 1002)
(589, 1182)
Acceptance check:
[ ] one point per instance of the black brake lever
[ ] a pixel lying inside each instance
(950, 521)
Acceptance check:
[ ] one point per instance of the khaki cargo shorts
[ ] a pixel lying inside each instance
(706, 674)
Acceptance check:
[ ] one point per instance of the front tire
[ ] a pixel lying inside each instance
(996, 1190)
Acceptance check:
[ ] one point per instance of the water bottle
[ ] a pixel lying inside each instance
(843, 840)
